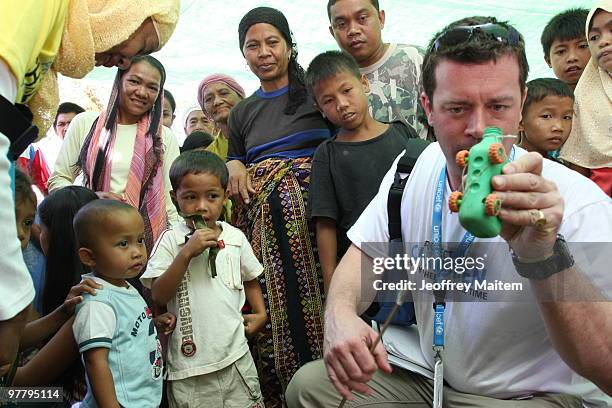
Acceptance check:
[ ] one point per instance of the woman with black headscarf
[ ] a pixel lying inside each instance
(272, 137)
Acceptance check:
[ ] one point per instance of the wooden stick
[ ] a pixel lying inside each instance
(379, 338)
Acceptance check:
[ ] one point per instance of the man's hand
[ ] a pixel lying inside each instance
(199, 241)
(348, 360)
(532, 208)
(239, 182)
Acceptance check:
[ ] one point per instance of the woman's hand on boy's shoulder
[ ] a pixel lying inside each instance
(75, 297)
(200, 240)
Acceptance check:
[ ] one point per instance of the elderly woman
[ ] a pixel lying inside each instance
(217, 95)
(272, 137)
(125, 152)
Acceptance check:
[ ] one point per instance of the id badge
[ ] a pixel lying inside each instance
(438, 383)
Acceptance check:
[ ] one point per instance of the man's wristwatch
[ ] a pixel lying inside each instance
(560, 260)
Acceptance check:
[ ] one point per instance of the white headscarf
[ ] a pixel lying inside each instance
(186, 113)
(590, 141)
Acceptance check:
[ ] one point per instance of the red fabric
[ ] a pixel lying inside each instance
(36, 167)
(603, 178)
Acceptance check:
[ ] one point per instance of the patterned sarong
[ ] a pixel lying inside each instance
(284, 242)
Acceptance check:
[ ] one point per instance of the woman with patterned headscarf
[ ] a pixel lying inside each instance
(125, 153)
(272, 137)
(217, 95)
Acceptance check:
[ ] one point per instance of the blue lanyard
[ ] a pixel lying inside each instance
(436, 240)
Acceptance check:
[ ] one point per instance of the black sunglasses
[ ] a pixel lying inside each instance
(461, 34)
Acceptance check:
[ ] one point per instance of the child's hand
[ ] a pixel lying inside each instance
(165, 323)
(200, 240)
(74, 296)
(253, 323)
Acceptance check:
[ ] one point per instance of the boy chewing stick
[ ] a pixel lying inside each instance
(203, 276)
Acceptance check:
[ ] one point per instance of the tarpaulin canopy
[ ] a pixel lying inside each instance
(206, 38)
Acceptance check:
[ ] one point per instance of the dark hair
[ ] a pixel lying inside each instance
(170, 99)
(63, 268)
(67, 107)
(479, 49)
(23, 188)
(328, 64)
(197, 162)
(295, 72)
(565, 26)
(196, 140)
(540, 88)
(90, 219)
(330, 3)
(111, 120)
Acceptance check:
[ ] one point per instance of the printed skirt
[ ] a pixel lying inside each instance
(284, 241)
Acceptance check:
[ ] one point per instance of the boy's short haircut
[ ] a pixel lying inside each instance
(196, 140)
(23, 188)
(328, 64)
(67, 107)
(565, 26)
(170, 99)
(540, 88)
(198, 162)
(330, 3)
(90, 219)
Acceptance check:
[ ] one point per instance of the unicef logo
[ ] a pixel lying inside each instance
(439, 331)
(438, 207)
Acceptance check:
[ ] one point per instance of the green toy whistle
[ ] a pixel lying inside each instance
(477, 206)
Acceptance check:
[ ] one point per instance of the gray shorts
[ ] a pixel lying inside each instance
(235, 386)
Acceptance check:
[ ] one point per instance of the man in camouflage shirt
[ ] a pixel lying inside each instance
(393, 70)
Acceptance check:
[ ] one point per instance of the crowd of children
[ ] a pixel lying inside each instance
(82, 252)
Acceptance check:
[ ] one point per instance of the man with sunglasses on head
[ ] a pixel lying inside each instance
(529, 353)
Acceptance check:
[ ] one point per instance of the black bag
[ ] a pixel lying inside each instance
(414, 147)
(16, 124)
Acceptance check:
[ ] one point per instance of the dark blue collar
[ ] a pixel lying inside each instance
(273, 94)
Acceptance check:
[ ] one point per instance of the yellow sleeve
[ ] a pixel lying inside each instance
(219, 147)
(30, 37)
